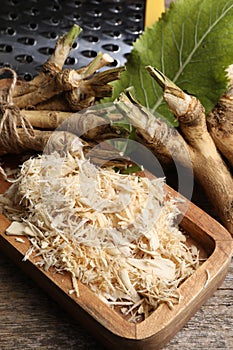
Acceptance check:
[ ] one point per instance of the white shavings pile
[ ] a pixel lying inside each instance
(113, 232)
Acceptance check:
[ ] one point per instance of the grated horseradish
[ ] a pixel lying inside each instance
(115, 233)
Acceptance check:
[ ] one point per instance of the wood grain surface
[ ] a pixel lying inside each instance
(29, 319)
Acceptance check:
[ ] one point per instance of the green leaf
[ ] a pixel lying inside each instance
(192, 44)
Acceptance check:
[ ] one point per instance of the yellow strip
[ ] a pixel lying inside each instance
(154, 9)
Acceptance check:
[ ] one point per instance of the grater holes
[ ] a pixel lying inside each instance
(46, 50)
(115, 22)
(51, 21)
(136, 30)
(113, 34)
(75, 45)
(6, 65)
(115, 63)
(27, 41)
(77, 3)
(13, 16)
(93, 26)
(116, 9)
(24, 58)
(95, 13)
(6, 48)
(111, 47)
(55, 7)
(33, 26)
(28, 76)
(76, 17)
(54, 21)
(10, 31)
(33, 11)
(129, 41)
(70, 61)
(53, 35)
(137, 6)
(89, 53)
(50, 35)
(91, 38)
(104, 22)
(136, 17)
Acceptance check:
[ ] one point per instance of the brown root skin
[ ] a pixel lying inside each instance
(52, 80)
(53, 65)
(63, 141)
(24, 87)
(62, 81)
(66, 102)
(50, 71)
(42, 93)
(100, 61)
(92, 88)
(220, 125)
(85, 93)
(17, 135)
(165, 142)
(49, 120)
(56, 103)
(218, 185)
(208, 166)
(24, 142)
(154, 134)
(76, 101)
(63, 47)
(19, 128)
(79, 90)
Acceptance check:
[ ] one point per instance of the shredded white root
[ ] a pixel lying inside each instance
(115, 233)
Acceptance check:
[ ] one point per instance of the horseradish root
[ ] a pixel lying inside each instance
(193, 146)
(208, 166)
(220, 125)
(77, 89)
(53, 65)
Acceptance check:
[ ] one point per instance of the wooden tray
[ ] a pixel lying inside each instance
(109, 327)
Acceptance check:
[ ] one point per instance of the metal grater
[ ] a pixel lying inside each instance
(29, 30)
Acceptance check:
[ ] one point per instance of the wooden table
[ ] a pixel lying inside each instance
(29, 319)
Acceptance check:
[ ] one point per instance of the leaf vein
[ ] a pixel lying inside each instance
(143, 89)
(180, 70)
(162, 51)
